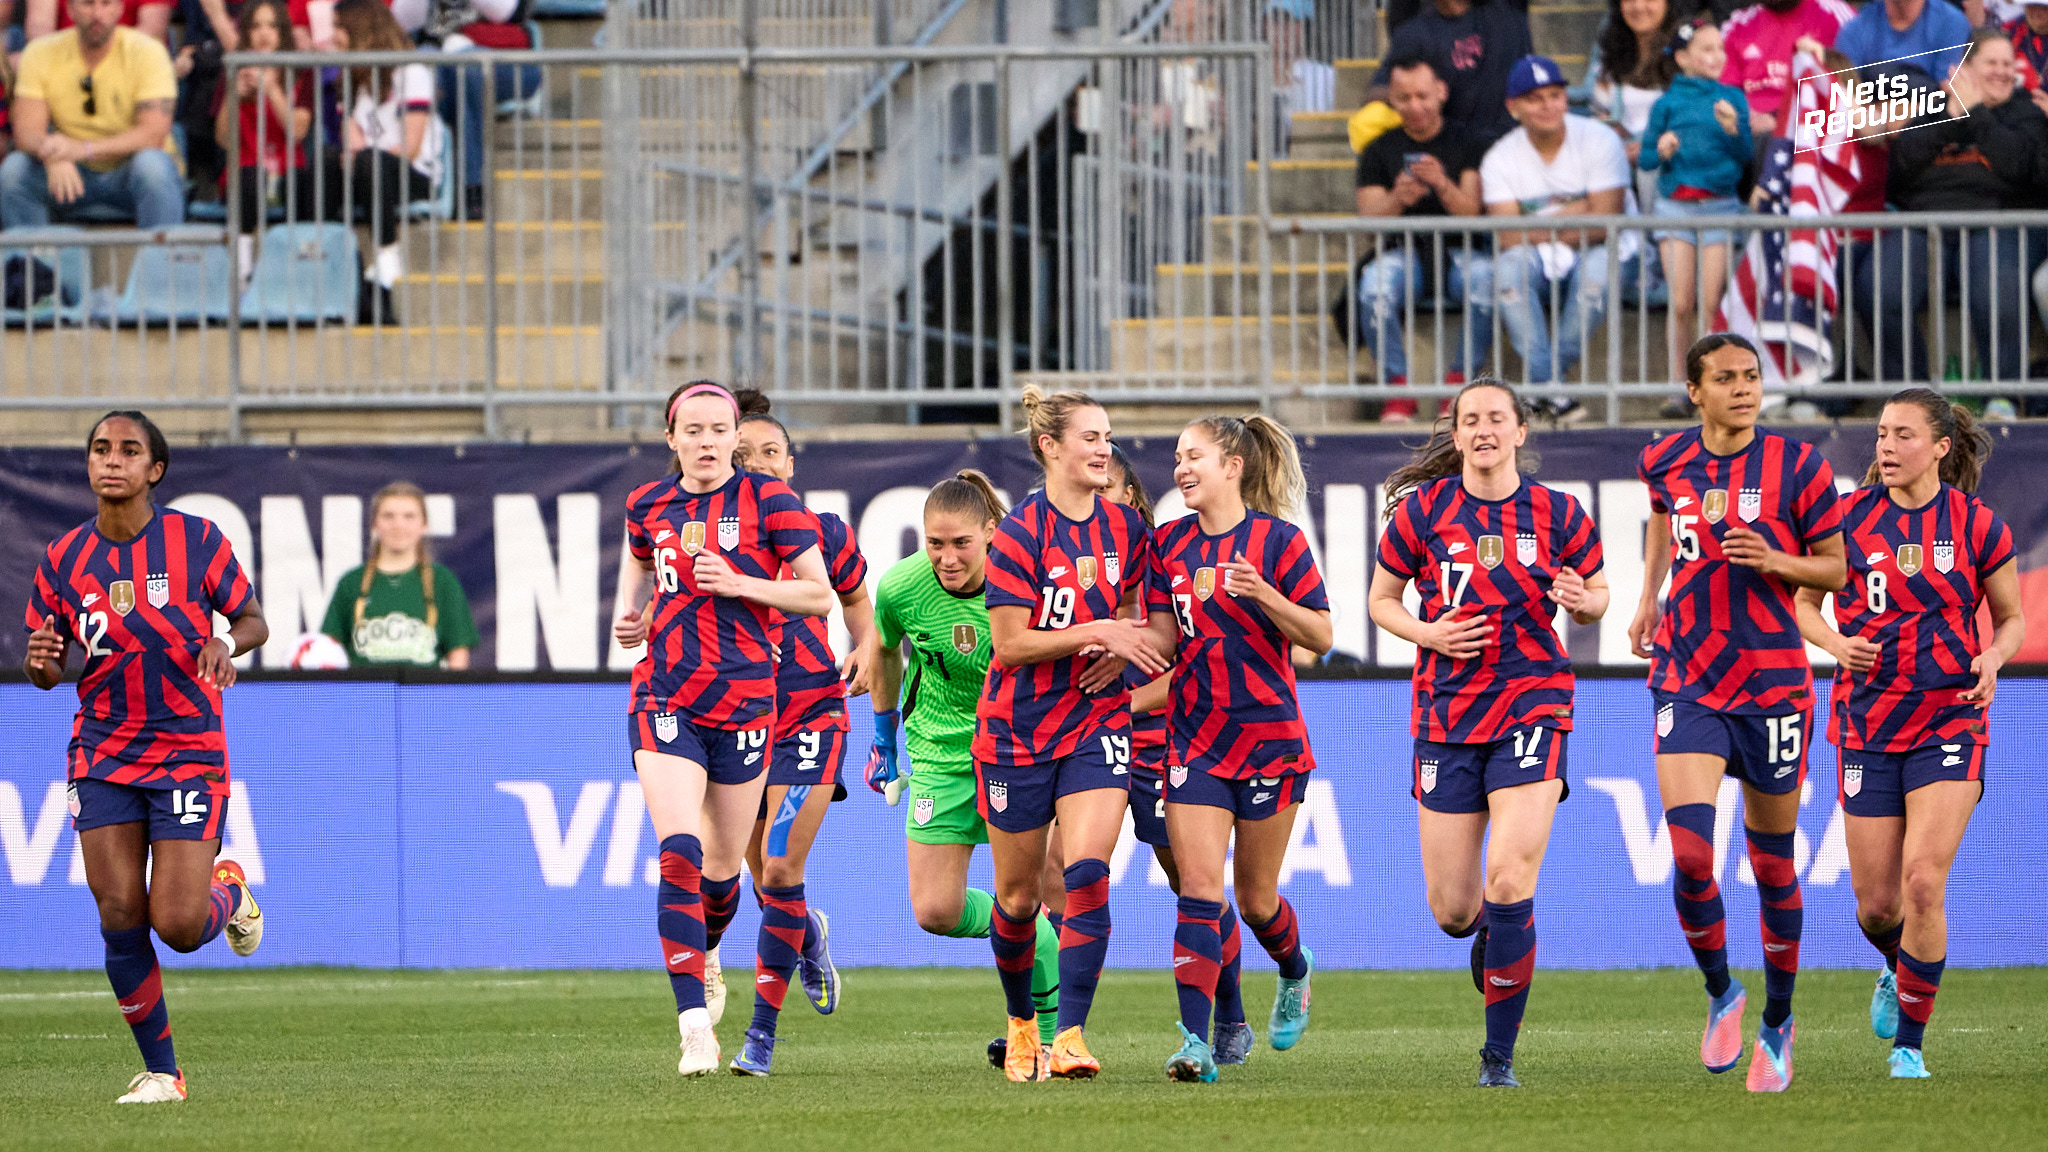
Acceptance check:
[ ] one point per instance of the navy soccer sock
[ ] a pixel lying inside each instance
(1084, 939)
(1197, 961)
(1697, 895)
(1919, 980)
(1014, 942)
(1886, 941)
(1510, 964)
(679, 914)
(784, 917)
(721, 902)
(222, 902)
(1281, 938)
(139, 987)
(1229, 995)
(1782, 912)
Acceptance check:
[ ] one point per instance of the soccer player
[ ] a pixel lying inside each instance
(803, 763)
(1053, 729)
(1234, 589)
(929, 612)
(1742, 518)
(1494, 556)
(712, 541)
(137, 588)
(1912, 688)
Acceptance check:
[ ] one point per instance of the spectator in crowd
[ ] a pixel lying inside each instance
(1400, 11)
(1984, 151)
(1628, 69)
(1554, 165)
(463, 26)
(275, 115)
(1479, 40)
(1421, 168)
(150, 17)
(401, 607)
(92, 114)
(2030, 42)
(1892, 29)
(1759, 42)
(1698, 142)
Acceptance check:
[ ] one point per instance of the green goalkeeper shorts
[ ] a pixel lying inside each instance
(941, 808)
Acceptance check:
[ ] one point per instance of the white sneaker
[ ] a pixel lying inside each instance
(155, 1088)
(700, 1044)
(714, 985)
(245, 927)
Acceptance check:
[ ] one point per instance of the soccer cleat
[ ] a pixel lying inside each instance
(1884, 1006)
(1194, 1063)
(714, 985)
(756, 1054)
(1496, 1071)
(1770, 1069)
(245, 927)
(1721, 1043)
(1069, 1059)
(1290, 1007)
(1907, 1064)
(815, 969)
(1479, 960)
(1023, 1060)
(1232, 1043)
(700, 1045)
(168, 1088)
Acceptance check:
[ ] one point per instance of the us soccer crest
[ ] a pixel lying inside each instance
(1428, 773)
(729, 533)
(693, 537)
(1944, 557)
(1112, 568)
(922, 810)
(1750, 505)
(965, 639)
(1665, 718)
(999, 797)
(1909, 558)
(1714, 504)
(1084, 572)
(665, 727)
(1178, 775)
(121, 597)
(1205, 583)
(158, 589)
(1852, 781)
(1491, 551)
(1525, 549)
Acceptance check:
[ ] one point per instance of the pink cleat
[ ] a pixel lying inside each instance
(1721, 1043)
(1770, 1069)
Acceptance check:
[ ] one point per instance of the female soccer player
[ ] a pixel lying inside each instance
(931, 602)
(1493, 556)
(704, 699)
(804, 762)
(1742, 518)
(1234, 588)
(1912, 688)
(1053, 729)
(137, 588)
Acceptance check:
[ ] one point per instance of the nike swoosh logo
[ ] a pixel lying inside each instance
(751, 757)
(1177, 582)
(1501, 982)
(1781, 773)
(679, 957)
(1682, 502)
(1180, 960)
(1776, 947)
(1951, 761)
(91, 598)
(1457, 548)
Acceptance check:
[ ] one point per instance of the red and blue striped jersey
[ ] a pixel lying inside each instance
(1148, 742)
(141, 609)
(1916, 577)
(1066, 572)
(1234, 713)
(711, 659)
(1728, 638)
(1493, 558)
(809, 695)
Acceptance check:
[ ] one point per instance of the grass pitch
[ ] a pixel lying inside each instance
(338, 1058)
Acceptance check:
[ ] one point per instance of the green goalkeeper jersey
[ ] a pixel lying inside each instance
(945, 663)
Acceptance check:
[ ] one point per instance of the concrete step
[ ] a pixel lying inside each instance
(1201, 342)
(1307, 126)
(1308, 186)
(1235, 238)
(547, 195)
(1233, 289)
(440, 298)
(562, 246)
(1353, 78)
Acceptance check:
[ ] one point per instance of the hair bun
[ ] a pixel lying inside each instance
(1031, 397)
(752, 402)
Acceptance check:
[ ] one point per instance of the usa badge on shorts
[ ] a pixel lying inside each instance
(1666, 717)
(1910, 557)
(693, 537)
(1112, 568)
(1714, 504)
(965, 639)
(729, 533)
(922, 811)
(71, 799)
(665, 727)
(1525, 548)
(158, 589)
(1750, 505)
(1427, 770)
(1852, 781)
(1084, 572)
(1205, 583)
(999, 797)
(1944, 557)
(1177, 775)
(1492, 550)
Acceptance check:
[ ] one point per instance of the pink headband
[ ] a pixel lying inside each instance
(707, 388)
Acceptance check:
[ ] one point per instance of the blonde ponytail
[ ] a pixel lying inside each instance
(1272, 481)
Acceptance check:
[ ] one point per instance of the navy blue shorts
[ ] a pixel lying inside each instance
(728, 756)
(1458, 777)
(1876, 783)
(1768, 753)
(171, 813)
(814, 757)
(1254, 799)
(1022, 797)
(1148, 807)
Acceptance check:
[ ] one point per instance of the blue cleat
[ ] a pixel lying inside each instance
(1721, 1043)
(1290, 1007)
(1907, 1064)
(756, 1055)
(1194, 1063)
(1884, 1006)
(1233, 1042)
(1770, 1066)
(1496, 1071)
(815, 968)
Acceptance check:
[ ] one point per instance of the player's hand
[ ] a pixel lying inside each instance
(884, 772)
(1101, 672)
(714, 576)
(1568, 589)
(46, 647)
(1458, 639)
(1667, 145)
(1642, 631)
(1243, 581)
(854, 670)
(1131, 640)
(1724, 115)
(1747, 547)
(630, 630)
(1986, 667)
(1857, 654)
(216, 663)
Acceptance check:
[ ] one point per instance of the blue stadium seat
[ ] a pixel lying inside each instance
(72, 265)
(306, 274)
(441, 205)
(176, 283)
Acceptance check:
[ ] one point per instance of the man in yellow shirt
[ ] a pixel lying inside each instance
(92, 111)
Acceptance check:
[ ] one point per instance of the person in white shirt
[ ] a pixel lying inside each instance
(1554, 164)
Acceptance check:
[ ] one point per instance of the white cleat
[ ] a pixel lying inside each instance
(700, 1044)
(245, 927)
(155, 1088)
(714, 985)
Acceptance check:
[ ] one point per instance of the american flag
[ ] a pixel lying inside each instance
(1783, 294)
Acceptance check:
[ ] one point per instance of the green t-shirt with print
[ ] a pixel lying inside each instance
(394, 618)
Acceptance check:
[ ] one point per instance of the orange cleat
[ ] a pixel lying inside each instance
(1024, 1061)
(1070, 1058)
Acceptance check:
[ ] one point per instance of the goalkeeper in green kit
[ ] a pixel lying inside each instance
(933, 600)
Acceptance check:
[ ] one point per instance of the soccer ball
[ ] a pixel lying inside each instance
(319, 652)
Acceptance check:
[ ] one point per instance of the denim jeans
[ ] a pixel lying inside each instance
(1890, 282)
(1384, 287)
(146, 186)
(1522, 295)
(514, 82)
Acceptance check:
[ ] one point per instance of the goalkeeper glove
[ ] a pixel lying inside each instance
(885, 775)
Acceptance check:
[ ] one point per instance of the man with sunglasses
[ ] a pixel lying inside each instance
(92, 120)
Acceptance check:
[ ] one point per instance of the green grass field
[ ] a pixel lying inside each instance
(340, 1058)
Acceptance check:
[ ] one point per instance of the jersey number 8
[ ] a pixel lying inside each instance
(1874, 593)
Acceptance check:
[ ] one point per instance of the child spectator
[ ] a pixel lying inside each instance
(401, 607)
(274, 119)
